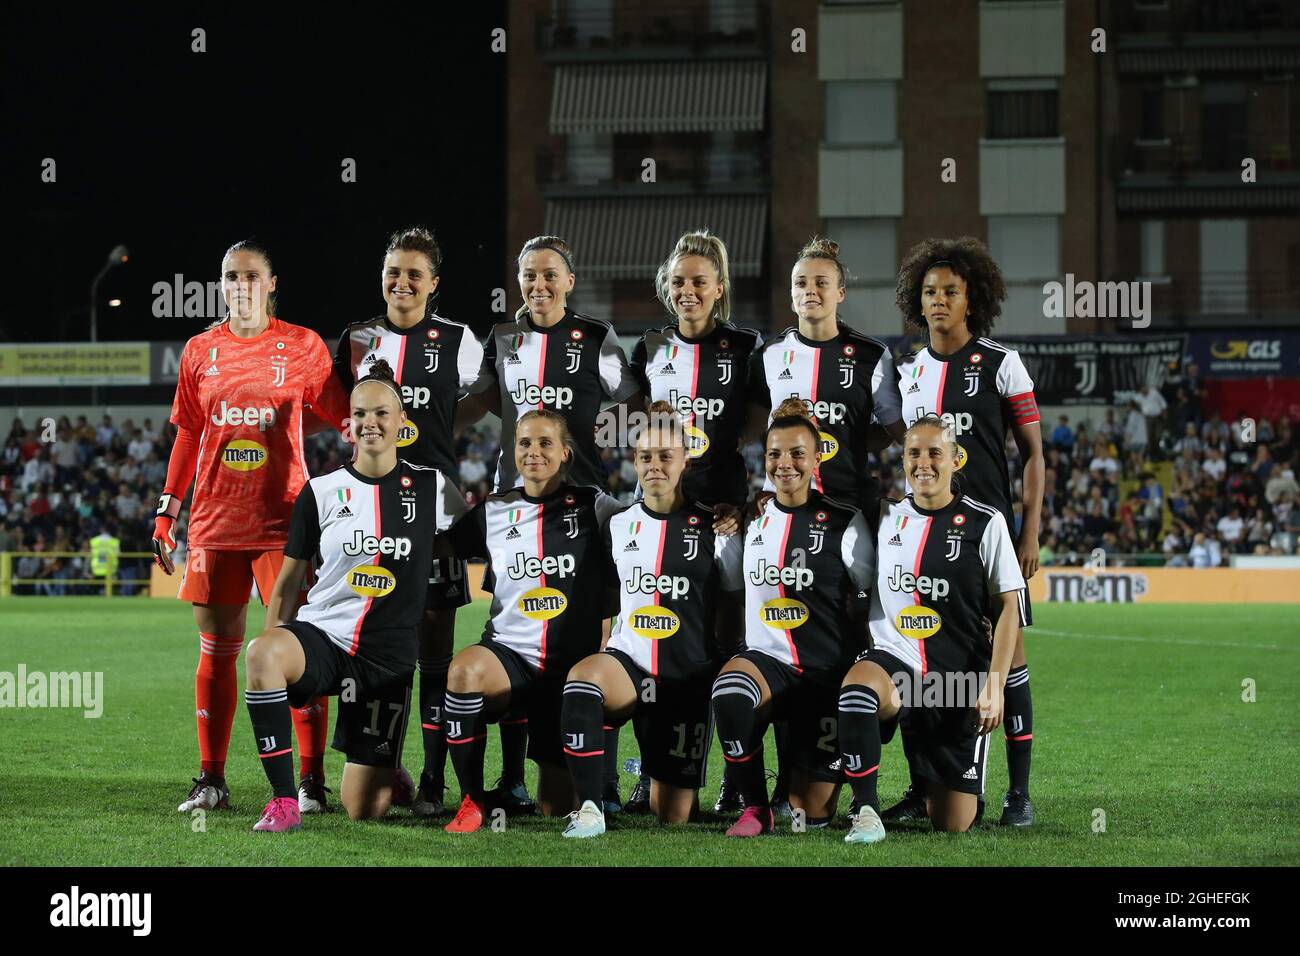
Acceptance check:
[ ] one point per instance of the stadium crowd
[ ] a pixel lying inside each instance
(1221, 492)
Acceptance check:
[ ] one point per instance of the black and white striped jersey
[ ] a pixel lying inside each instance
(573, 368)
(434, 362)
(935, 572)
(844, 382)
(670, 568)
(547, 570)
(981, 390)
(705, 380)
(806, 570)
(373, 538)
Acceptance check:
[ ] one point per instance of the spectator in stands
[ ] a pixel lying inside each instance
(154, 471)
(473, 471)
(66, 458)
(30, 566)
(11, 459)
(1174, 547)
(1279, 483)
(1214, 464)
(1189, 442)
(139, 447)
(1103, 460)
(105, 434)
(1259, 530)
(1202, 554)
(1108, 431)
(1047, 551)
(1152, 405)
(37, 470)
(11, 538)
(1230, 528)
(148, 432)
(1215, 432)
(127, 505)
(1062, 435)
(1135, 435)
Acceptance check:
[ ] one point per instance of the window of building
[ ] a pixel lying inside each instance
(869, 247)
(859, 112)
(1026, 247)
(1023, 109)
(1153, 251)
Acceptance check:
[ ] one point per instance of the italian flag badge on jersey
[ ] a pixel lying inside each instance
(345, 495)
(672, 352)
(762, 522)
(900, 522)
(789, 357)
(916, 372)
(512, 517)
(634, 528)
(212, 355)
(373, 343)
(516, 340)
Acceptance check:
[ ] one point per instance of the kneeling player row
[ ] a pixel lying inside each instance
(788, 605)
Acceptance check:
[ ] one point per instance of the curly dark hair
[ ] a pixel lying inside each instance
(970, 259)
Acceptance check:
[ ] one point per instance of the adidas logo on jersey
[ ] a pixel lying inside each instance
(212, 370)
(758, 539)
(896, 540)
(383, 750)
(631, 546)
(344, 512)
(785, 374)
(916, 387)
(512, 533)
(369, 359)
(970, 774)
(668, 370)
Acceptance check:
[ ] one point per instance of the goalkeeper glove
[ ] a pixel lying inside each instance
(164, 531)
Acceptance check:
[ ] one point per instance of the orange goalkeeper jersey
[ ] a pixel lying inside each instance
(244, 400)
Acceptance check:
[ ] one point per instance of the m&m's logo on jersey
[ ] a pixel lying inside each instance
(697, 443)
(783, 613)
(542, 604)
(372, 580)
(918, 622)
(829, 446)
(243, 454)
(961, 458)
(654, 622)
(408, 434)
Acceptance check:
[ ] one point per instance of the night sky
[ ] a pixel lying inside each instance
(179, 154)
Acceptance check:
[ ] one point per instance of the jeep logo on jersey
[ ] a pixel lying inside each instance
(705, 408)
(371, 580)
(408, 434)
(563, 566)
(243, 454)
(263, 418)
(643, 582)
(654, 622)
(560, 397)
(831, 413)
(918, 622)
(542, 604)
(697, 443)
(901, 580)
(829, 446)
(960, 423)
(798, 578)
(783, 613)
(363, 543)
(415, 396)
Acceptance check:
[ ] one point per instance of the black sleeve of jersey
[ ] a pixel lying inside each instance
(469, 534)
(607, 579)
(637, 365)
(756, 387)
(343, 362)
(304, 527)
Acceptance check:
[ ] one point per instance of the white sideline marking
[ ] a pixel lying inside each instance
(1155, 640)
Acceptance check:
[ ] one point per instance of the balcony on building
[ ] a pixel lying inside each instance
(582, 30)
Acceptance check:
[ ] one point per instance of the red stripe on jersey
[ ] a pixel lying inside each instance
(938, 395)
(816, 368)
(659, 565)
(541, 380)
(780, 588)
(916, 598)
(401, 359)
(541, 661)
(378, 532)
(1024, 408)
(695, 377)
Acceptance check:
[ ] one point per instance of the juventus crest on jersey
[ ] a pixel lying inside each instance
(934, 576)
(981, 390)
(571, 367)
(434, 362)
(806, 570)
(669, 570)
(546, 570)
(705, 380)
(844, 382)
(374, 538)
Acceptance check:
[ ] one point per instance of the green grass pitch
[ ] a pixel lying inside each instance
(1138, 710)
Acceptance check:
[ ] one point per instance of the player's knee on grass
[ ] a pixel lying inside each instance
(950, 811)
(672, 805)
(555, 796)
(366, 792)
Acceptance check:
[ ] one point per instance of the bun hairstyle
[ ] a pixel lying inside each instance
(417, 239)
(382, 372)
(793, 413)
(663, 417)
(819, 247)
(699, 243)
(254, 246)
(556, 245)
